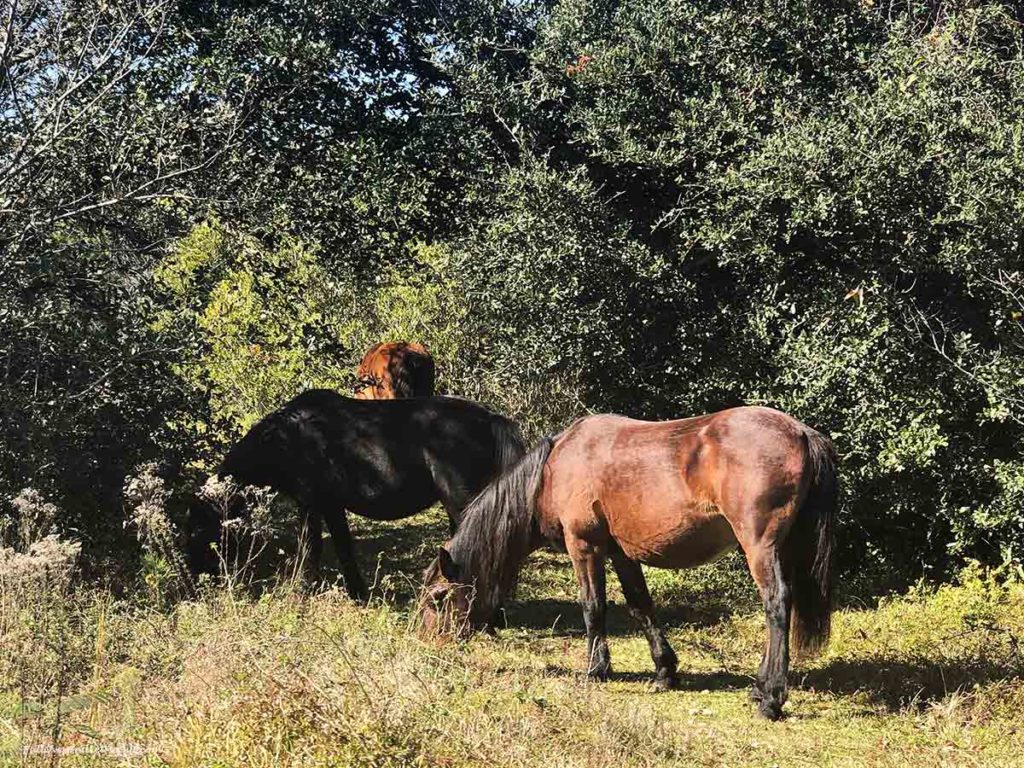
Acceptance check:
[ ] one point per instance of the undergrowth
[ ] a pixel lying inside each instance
(280, 677)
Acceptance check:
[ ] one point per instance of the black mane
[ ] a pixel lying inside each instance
(497, 531)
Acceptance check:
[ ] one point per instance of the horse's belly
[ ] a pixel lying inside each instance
(682, 543)
(391, 504)
(390, 509)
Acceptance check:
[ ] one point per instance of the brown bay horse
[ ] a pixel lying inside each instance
(671, 494)
(394, 370)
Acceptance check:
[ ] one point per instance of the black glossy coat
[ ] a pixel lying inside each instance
(382, 459)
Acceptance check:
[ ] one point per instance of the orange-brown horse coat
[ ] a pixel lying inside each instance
(672, 494)
(677, 520)
(395, 369)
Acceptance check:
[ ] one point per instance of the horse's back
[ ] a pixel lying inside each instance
(439, 413)
(743, 433)
(391, 455)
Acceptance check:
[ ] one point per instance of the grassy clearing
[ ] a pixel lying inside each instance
(933, 677)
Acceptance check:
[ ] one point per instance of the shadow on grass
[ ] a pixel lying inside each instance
(391, 555)
(902, 684)
(892, 686)
(695, 681)
(398, 554)
(565, 617)
(882, 682)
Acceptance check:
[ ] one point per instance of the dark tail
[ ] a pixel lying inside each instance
(494, 537)
(508, 444)
(813, 543)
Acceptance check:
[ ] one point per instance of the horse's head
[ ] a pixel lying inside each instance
(369, 387)
(211, 511)
(447, 603)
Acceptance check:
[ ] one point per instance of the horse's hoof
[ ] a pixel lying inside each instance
(600, 674)
(772, 710)
(665, 683)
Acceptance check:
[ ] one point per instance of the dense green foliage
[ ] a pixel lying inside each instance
(656, 208)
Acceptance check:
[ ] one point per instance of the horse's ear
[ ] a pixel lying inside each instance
(449, 569)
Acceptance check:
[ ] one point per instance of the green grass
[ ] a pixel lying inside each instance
(934, 677)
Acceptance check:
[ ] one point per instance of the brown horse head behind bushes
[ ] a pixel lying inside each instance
(395, 370)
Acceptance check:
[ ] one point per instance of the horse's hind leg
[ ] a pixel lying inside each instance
(451, 490)
(771, 688)
(588, 562)
(337, 524)
(641, 607)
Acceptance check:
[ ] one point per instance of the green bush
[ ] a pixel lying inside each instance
(654, 208)
(259, 323)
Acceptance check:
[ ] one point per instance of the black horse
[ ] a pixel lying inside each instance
(382, 459)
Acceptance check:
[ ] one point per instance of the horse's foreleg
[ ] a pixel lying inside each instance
(311, 540)
(337, 524)
(641, 607)
(588, 562)
(770, 690)
(453, 513)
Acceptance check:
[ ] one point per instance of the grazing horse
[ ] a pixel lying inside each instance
(671, 494)
(393, 370)
(382, 459)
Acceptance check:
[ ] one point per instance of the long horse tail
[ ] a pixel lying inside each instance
(508, 443)
(812, 548)
(494, 537)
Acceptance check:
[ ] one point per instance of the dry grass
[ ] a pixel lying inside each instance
(933, 677)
